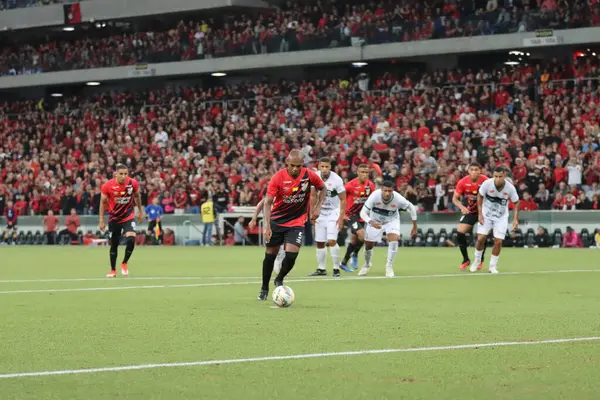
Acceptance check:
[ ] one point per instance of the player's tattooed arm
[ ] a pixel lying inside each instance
(103, 202)
(456, 201)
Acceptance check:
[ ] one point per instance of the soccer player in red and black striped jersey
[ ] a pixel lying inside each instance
(469, 187)
(118, 197)
(285, 212)
(358, 191)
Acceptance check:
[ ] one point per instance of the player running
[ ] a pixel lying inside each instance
(381, 213)
(492, 204)
(252, 224)
(358, 191)
(331, 219)
(285, 214)
(469, 187)
(118, 196)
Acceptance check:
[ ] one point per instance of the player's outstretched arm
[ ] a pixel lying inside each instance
(103, 201)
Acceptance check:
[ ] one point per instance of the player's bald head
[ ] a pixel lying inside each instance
(295, 157)
(294, 161)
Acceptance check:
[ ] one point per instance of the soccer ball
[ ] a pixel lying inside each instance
(283, 296)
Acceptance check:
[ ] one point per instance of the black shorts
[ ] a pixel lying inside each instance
(10, 226)
(468, 219)
(283, 234)
(118, 229)
(356, 224)
(153, 224)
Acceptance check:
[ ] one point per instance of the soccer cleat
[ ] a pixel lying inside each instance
(263, 295)
(354, 261)
(346, 268)
(464, 265)
(363, 271)
(494, 270)
(318, 272)
(336, 273)
(389, 271)
(277, 283)
(474, 267)
(480, 266)
(111, 274)
(124, 270)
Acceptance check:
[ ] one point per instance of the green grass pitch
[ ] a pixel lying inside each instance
(199, 304)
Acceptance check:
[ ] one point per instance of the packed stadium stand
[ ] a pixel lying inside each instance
(422, 125)
(295, 26)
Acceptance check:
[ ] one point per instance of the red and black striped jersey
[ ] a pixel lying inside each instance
(357, 193)
(292, 196)
(120, 199)
(470, 189)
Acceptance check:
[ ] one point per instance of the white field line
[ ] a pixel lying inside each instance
(316, 279)
(291, 357)
(141, 278)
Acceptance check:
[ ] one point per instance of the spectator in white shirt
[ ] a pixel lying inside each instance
(161, 137)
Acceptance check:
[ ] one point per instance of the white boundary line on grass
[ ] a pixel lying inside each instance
(316, 279)
(291, 357)
(141, 278)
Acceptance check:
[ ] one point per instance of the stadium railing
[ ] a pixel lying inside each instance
(188, 227)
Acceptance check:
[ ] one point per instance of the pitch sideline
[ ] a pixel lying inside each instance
(316, 279)
(291, 357)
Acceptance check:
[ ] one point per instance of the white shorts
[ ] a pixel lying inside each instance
(375, 235)
(326, 228)
(499, 228)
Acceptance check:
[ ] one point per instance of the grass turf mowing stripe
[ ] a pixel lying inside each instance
(316, 279)
(292, 357)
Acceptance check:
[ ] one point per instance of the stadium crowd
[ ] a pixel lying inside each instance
(299, 26)
(184, 143)
(12, 4)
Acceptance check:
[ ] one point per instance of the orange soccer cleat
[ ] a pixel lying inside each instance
(464, 265)
(124, 270)
(480, 266)
(111, 274)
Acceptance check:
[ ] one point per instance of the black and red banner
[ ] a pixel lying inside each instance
(72, 13)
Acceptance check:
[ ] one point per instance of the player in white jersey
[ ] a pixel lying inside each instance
(381, 213)
(252, 224)
(492, 204)
(331, 219)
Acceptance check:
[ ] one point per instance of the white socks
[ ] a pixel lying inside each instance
(368, 255)
(321, 258)
(336, 256)
(478, 254)
(392, 251)
(493, 261)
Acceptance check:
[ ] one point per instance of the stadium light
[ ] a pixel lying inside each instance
(93, 83)
(56, 95)
(68, 28)
(359, 64)
(511, 63)
(218, 74)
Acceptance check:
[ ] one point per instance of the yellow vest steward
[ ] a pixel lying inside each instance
(208, 212)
